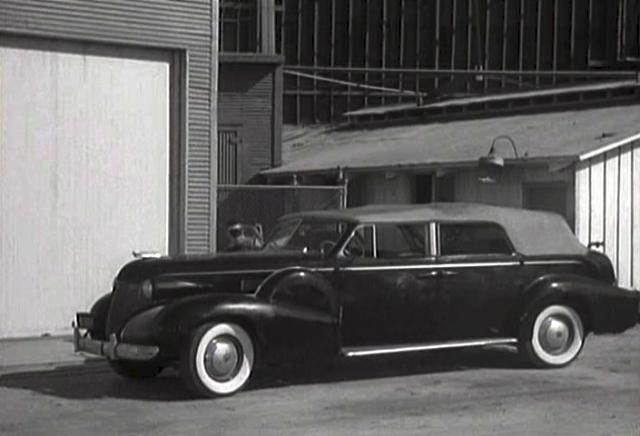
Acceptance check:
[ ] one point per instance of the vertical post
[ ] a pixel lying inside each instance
(213, 125)
(267, 26)
(479, 38)
(344, 180)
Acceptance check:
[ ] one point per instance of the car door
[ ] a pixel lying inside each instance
(480, 278)
(387, 286)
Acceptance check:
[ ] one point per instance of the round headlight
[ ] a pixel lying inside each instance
(147, 289)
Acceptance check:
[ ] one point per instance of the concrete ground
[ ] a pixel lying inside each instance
(473, 392)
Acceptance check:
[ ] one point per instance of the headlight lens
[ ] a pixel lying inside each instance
(147, 289)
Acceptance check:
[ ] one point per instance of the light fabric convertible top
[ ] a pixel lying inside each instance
(531, 232)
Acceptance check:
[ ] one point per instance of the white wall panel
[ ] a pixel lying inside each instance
(611, 211)
(608, 208)
(83, 179)
(635, 212)
(582, 201)
(596, 182)
(624, 221)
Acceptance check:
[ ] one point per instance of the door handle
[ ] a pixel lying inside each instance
(448, 273)
(436, 274)
(429, 275)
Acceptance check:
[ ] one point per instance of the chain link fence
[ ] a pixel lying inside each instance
(264, 204)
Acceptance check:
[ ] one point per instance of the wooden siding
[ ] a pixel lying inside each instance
(608, 208)
(245, 98)
(188, 27)
(380, 188)
(509, 190)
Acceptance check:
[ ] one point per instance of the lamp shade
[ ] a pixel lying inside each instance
(491, 160)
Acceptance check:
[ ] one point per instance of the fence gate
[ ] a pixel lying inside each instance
(264, 204)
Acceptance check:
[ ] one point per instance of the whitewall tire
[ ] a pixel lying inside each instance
(552, 337)
(219, 359)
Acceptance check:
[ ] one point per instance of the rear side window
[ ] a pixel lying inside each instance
(401, 240)
(473, 238)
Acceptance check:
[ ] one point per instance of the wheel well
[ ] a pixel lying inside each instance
(575, 302)
(583, 311)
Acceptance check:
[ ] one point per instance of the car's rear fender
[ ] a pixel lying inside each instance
(604, 308)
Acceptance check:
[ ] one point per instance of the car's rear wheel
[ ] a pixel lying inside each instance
(135, 370)
(218, 360)
(552, 337)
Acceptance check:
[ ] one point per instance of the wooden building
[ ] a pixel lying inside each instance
(249, 115)
(107, 144)
(249, 91)
(607, 189)
(344, 55)
(581, 163)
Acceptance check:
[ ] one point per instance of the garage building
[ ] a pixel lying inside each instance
(107, 144)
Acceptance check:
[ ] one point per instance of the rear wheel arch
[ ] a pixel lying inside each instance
(557, 290)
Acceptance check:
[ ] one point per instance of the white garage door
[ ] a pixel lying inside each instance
(84, 140)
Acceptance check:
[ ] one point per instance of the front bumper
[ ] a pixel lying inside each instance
(112, 349)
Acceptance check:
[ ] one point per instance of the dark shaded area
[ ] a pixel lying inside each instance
(94, 380)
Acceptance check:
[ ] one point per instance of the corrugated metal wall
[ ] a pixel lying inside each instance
(245, 98)
(608, 208)
(187, 25)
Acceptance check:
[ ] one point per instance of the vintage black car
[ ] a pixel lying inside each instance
(360, 282)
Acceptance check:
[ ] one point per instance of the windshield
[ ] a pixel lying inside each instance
(306, 235)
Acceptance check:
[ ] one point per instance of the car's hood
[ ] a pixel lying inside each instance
(213, 264)
(177, 277)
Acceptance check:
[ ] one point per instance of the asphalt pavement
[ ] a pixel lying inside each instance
(472, 392)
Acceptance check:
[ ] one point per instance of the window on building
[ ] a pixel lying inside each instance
(227, 157)
(238, 30)
(240, 25)
(473, 238)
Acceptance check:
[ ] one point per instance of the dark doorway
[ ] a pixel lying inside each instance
(549, 196)
(423, 184)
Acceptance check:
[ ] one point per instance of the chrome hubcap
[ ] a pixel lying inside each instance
(222, 358)
(555, 335)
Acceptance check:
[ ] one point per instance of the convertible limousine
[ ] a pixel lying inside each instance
(360, 282)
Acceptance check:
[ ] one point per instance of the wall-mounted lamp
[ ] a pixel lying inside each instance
(491, 165)
(493, 158)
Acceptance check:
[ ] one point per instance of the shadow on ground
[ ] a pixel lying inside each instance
(94, 380)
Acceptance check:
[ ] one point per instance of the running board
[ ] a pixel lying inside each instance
(392, 349)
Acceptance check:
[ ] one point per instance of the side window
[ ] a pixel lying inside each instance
(401, 240)
(361, 243)
(302, 296)
(473, 238)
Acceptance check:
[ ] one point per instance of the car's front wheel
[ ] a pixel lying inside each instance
(218, 360)
(552, 336)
